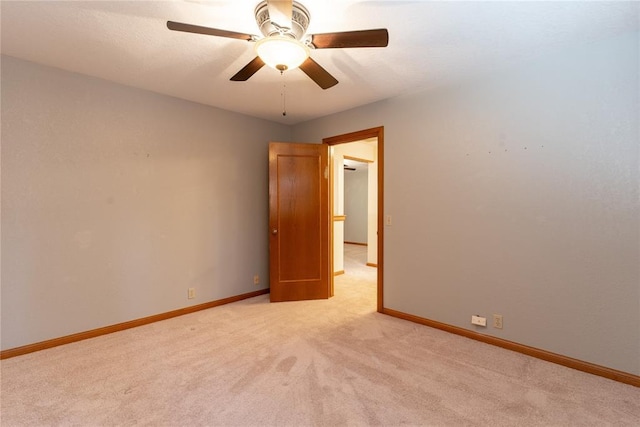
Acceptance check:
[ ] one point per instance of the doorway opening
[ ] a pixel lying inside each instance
(366, 146)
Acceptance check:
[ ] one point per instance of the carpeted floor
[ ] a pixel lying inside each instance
(334, 362)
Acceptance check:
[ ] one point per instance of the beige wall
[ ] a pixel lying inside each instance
(115, 201)
(513, 193)
(517, 193)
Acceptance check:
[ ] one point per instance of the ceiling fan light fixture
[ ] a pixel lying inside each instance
(282, 52)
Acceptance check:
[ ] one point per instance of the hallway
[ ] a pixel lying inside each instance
(358, 277)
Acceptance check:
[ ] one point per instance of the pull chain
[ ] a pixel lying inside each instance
(284, 94)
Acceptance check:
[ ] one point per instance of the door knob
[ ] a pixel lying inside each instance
(274, 231)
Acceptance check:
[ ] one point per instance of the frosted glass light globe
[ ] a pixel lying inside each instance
(281, 52)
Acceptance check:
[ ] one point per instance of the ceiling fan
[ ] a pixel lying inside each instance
(286, 45)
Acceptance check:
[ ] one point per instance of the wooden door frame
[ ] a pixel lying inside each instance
(377, 132)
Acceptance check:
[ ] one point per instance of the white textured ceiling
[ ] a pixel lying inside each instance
(430, 44)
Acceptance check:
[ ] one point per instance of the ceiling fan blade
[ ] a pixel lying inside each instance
(248, 70)
(318, 74)
(280, 12)
(362, 38)
(188, 28)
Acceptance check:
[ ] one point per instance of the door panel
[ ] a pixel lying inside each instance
(299, 221)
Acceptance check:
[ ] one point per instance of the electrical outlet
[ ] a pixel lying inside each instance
(256, 280)
(478, 320)
(497, 321)
(388, 220)
(191, 293)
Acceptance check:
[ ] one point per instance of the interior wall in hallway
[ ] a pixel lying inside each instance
(355, 206)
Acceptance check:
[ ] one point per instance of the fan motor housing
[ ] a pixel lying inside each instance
(299, 21)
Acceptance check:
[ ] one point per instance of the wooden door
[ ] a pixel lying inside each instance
(299, 221)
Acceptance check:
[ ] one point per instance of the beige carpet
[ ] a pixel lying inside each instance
(335, 362)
